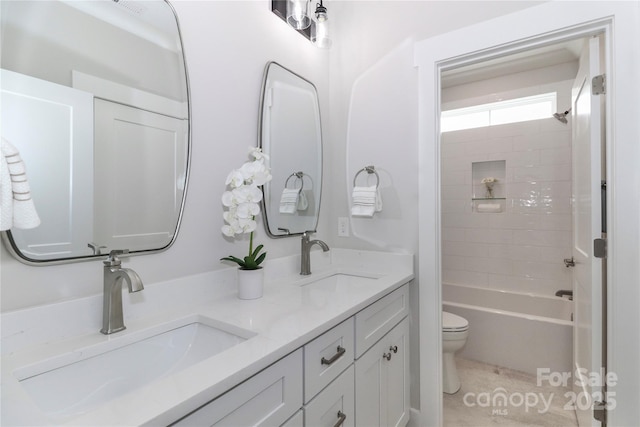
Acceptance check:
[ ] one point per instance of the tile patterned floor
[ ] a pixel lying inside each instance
(496, 396)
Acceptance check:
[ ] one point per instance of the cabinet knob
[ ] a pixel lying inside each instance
(386, 356)
(393, 348)
(341, 417)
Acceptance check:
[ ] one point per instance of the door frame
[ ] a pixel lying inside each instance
(521, 31)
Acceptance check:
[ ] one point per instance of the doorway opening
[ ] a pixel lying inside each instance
(518, 207)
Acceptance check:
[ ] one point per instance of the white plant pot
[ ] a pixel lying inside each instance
(250, 283)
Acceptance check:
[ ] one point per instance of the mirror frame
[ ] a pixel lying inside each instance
(9, 242)
(260, 120)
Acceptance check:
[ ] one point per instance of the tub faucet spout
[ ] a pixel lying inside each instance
(114, 276)
(563, 292)
(305, 256)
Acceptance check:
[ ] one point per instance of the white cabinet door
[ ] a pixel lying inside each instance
(382, 381)
(397, 372)
(267, 399)
(335, 405)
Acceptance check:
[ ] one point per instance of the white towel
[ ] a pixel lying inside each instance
(303, 203)
(289, 201)
(489, 207)
(366, 201)
(16, 206)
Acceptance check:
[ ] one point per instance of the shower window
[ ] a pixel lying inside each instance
(499, 113)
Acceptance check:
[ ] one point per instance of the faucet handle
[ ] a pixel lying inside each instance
(113, 260)
(96, 248)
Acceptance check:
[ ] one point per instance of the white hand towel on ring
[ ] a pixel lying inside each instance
(17, 210)
(366, 201)
(289, 200)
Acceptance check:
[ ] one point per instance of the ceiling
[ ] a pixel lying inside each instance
(523, 61)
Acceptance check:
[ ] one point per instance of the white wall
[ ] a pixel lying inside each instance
(226, 60)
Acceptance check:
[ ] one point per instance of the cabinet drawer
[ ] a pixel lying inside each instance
(326, 357)
(334, 404)
(268, 398)
(375, 321)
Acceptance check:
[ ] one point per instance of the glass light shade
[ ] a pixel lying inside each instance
(320, 33)
(298, 14)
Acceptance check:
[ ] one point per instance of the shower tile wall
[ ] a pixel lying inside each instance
(521, 249)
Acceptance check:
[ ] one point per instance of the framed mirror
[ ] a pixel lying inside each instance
(290, 134)
(95, 97)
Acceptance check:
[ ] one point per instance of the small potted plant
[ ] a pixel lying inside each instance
(242, 203)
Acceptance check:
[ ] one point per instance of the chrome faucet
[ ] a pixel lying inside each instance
(305, 256)
(114, 275)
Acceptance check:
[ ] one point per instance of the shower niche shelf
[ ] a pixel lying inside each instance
(489, 186)
(489, 205)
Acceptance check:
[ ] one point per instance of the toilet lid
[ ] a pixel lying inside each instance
(453, 322)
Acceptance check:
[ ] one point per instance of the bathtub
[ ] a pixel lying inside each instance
(513, 330)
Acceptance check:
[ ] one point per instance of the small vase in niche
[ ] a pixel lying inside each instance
(489, 193)
(250, 283)
(489, 183)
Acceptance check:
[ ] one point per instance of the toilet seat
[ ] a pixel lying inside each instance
(453, 323)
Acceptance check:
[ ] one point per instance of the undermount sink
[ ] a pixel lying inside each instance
(75, 383)
(340, 278)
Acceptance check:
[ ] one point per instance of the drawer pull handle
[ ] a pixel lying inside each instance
(341, 417)
(386, 356)
(393, 348)
(339, 352)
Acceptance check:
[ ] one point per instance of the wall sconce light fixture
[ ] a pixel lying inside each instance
(298, 14)
(314, 27)
(320, 27)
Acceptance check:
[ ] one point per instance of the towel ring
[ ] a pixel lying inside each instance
(298, 176)
(370, 170)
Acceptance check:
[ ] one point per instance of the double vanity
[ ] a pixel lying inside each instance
(330, 348)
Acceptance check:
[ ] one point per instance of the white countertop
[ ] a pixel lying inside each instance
(285, 318)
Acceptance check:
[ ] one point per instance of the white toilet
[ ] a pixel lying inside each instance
(455, 330)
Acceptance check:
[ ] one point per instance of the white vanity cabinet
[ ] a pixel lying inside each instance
(382, 381)
(382, 364)
(355, 374)
(269, 398)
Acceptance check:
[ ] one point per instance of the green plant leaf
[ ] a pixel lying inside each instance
(238, 261)
(261, 258)
(255, 253)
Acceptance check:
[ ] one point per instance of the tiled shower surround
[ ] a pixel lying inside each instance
(521, 249)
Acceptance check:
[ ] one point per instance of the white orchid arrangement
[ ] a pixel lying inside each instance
(243, 205)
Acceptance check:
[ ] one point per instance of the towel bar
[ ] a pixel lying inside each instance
(299, 176)
(370, 170)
